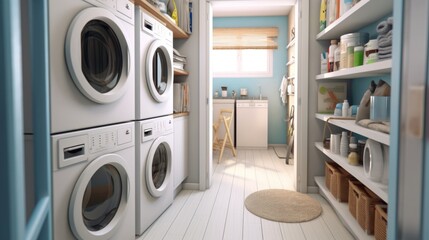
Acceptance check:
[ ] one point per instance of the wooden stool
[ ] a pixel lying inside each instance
(225, 117)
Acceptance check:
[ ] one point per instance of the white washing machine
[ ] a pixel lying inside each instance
(91, 55)
(154, 181)
(94, 183)
(154, 67)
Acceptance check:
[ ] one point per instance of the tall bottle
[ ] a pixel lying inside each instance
(332, 49)
(344, 144)
(345, 108)
(337, 57)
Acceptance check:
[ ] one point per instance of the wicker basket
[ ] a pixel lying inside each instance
(380, 222)
(365, 210)
(340, 184)
(330, 168)
(355, 187)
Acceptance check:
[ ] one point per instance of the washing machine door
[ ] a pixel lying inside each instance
(99, 200)
(97, 55)
(159, 71)
(158, 167)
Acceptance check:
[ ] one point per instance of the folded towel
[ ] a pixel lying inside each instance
(383, 27)
(385, 40)
(384, 56)
(385, 50)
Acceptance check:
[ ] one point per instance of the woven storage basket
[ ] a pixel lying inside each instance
(365, 210)
(330, 168)
(340, 184)
(355, 187)
(380, 222)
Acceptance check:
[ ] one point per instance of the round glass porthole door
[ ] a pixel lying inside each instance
(158, 167)
(159, 71)
(97, 55)
(99, 198)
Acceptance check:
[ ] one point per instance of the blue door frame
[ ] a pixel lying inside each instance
(12, 179)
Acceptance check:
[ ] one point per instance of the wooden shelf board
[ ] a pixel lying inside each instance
(177, 31)
(368, 70)
(353, 127)
(181, 114)
(342, 210)
(379, 189)
(362, 14)
(180, 72)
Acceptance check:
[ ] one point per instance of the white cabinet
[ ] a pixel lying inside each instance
(180, 154)
(252, 123)
(362, 14)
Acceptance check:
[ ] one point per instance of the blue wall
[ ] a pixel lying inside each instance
(270, 86)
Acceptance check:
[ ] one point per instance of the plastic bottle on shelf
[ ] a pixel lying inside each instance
(345, 108)
(332, 49)
(344, 144)
(337, 57)
(353, 157)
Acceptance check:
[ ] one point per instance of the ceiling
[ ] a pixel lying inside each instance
(232, 8)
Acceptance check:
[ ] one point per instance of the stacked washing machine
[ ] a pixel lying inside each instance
(92, 113)
(154, 120)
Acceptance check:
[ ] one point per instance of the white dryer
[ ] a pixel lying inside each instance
(94, 183)
(154, 181)
(154, 67)
(91, 55)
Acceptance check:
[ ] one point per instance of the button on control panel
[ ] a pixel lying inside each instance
(102, 141)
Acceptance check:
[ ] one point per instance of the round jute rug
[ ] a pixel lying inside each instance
(283, 206)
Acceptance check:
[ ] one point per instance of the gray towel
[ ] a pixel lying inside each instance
(383, 27)
(384, 56)
(390, 20)
(385, 50)
(385, 40)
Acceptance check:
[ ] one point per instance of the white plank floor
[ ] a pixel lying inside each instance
(219, 212)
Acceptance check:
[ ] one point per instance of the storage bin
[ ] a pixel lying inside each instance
(365, 210)
(380, 222)
(355, 187)
(330, 168)
(340, 184)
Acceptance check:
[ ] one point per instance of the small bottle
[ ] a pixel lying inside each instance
(337, 57)
(345, 108)
(358, 56)
(353, 157)
(350, 54)
(332, 49)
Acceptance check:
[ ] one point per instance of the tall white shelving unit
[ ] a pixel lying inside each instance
(362, 14)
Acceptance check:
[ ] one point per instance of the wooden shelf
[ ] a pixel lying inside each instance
(342, 210)
(356, 171)
(180, 72)
(368, 70)
(177, 31)
(181, 114)
(353, 127)
(362, 14)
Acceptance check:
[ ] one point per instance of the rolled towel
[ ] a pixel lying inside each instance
(383, 27)
(390, 20)
(385, 40)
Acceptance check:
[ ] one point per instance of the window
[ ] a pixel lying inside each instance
(242, 63)
(243, 52)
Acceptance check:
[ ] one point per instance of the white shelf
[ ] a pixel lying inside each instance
(292, 43)
(379, 189)
(362, 14)
(353, 127)
(368, 70)
(290, 62)
(342, 210)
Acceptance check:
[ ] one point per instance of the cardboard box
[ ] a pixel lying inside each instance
(329, 94)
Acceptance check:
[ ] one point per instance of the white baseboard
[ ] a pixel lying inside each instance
(312, 189)
(191, 186)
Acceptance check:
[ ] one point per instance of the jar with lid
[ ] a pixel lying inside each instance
(353, 157)
(331, 54)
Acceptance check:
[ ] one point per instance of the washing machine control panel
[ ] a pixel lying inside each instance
(102, 141)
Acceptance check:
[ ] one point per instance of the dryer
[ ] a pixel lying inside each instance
(154, 181)
(91, 55)
(93, 182)
(154, 67)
